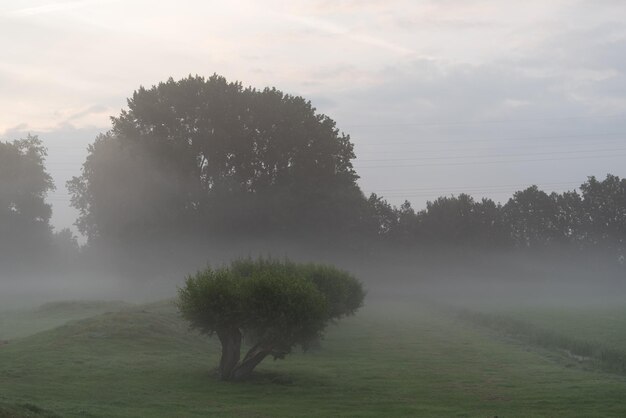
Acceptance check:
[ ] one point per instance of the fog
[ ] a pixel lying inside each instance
(463, 161)
(501, 279)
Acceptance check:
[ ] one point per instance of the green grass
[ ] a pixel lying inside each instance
(604, 326)
(387, 361)
(24, 411)
(593, 336)
(17, 324)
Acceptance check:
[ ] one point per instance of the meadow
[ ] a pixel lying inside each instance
(101, 359)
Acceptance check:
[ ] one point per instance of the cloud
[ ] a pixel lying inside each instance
(97, 109)
(329, 27)
(53, 8)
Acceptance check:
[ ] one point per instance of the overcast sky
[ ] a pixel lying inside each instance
(440, 96)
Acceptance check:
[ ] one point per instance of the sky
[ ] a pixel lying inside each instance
(439, 96)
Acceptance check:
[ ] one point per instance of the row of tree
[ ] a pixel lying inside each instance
(532, 218)
(200, 160)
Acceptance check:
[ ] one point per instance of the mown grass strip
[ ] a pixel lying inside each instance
(608, 359)
(26, 410)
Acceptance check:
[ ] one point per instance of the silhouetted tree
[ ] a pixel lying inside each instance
(569, 219)
(273, 305)
(211, 156)
(381, 218)
(531, 215)
(24, 215)
(604, 206)
(461, 221)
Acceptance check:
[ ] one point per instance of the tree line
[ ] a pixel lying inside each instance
(595, 218)
(206, 160)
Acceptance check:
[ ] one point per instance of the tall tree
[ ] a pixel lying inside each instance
(217, 156)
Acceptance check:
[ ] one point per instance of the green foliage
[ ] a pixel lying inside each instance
(212, 299)
(344, 295)
(283, 310)
(276, 305)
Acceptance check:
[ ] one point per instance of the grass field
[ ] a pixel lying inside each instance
(593, 337)
(389, 360)
(602, 326)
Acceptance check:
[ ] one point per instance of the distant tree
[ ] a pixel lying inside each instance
(407, 230)
(381, 218)
(532, 216)
(461, 221)
(212, 156)
(24, 215)
(569, 219)
(272, 305)
(604, 207)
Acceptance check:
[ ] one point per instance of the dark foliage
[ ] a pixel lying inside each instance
(25, 232)
(205, 157)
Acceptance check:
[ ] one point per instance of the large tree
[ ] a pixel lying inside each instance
(208, 154)
(272, 306)
(24, 215)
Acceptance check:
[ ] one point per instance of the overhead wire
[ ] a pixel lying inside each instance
(495, 155)
(484, 121)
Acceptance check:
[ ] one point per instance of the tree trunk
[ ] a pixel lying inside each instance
(231, 351)
(256, 355)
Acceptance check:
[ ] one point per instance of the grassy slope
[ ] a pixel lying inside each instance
(385, 362)
(18, 324)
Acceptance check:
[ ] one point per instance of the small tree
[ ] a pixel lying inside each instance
(272, 305)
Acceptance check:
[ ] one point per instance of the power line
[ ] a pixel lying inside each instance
(428, 189)
(483, 122)
(512, 139)
(69, 166)
(491, 162)
(496, 155)
(455, 149)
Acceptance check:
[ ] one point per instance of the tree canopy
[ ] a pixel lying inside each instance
(274, 305)
(210, 156)
(24, 214)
